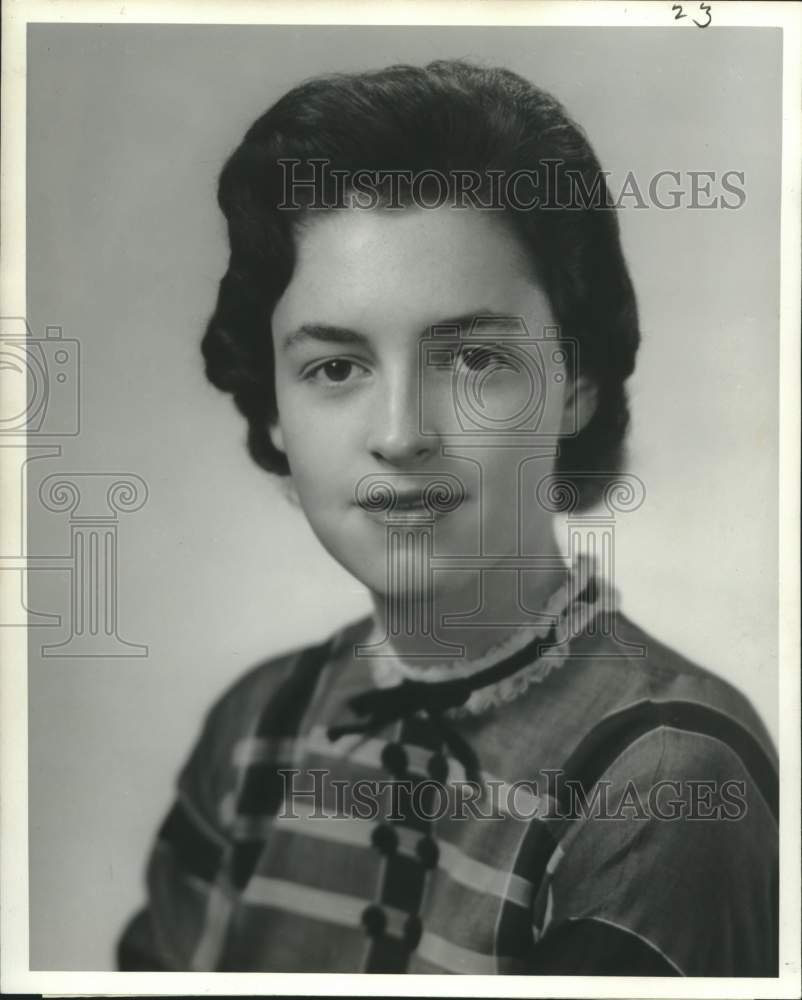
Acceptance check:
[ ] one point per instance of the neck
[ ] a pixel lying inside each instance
(506, 606)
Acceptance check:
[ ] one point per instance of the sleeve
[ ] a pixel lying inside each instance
(187, 854)
(668, 866)
(593, 948)
(180, 927)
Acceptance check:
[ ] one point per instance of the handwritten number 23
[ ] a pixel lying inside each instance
(704, 7)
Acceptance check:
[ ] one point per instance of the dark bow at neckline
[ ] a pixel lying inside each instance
(381, 706)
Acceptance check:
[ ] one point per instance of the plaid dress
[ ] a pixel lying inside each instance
(625, 824)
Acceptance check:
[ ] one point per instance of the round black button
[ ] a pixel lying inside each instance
(385, 839)
(373, 920)
(428, 852)
(412, 932)
(438, 768)
(394, 758)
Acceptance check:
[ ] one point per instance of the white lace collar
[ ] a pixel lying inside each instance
(572, 618)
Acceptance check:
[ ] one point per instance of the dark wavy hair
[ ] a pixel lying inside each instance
(449, 116)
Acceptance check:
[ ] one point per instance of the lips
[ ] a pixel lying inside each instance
(413, 502)
(383, 501)
(432, 495)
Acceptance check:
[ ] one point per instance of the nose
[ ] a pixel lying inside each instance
(395, 435)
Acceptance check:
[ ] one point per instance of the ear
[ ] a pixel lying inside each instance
(581, 399)
(277, 435)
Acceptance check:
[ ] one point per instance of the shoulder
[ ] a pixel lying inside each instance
(665, 726)
(646, 678)
(242, 704)
(266, 701)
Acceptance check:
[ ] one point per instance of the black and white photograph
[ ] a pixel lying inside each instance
(401, 489)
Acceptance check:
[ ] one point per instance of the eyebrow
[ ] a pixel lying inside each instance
(332, 334)
(323, 332)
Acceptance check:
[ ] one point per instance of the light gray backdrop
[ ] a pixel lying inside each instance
(128, 128)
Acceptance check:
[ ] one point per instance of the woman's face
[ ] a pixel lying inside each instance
(368, 384)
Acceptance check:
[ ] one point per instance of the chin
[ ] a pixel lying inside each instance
(439, 593)
(398, 587)
(364, 555)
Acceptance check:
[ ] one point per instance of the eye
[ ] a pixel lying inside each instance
(334, 371)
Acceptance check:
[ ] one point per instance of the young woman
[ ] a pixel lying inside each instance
(428, 323)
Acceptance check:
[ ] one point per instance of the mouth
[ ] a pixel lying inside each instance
(434, 500)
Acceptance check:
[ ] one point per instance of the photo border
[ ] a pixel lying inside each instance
(16, 976)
